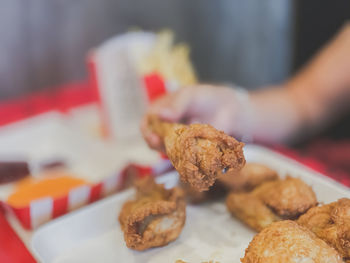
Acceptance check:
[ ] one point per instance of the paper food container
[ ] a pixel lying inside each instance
(131, 70)
(126, 72)
(103, 165)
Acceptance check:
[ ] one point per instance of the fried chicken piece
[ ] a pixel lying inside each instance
(272, 201)
(199, 152)
(249, 177)
(331, 223)
(155, 217)
(288, 242)
(251, 210)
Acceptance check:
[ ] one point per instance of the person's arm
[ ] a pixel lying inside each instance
(278, 113)
(321, 90)
(315, 96)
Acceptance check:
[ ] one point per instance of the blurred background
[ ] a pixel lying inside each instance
(44, 44)
(76, 77)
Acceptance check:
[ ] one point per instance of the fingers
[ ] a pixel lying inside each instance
(151, 138)
(171, 107)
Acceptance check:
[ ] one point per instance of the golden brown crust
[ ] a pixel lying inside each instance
(272, 201)
(288, 242)
(199, 152)
(289, 198)
(331, 223)
(249, 177)
(156, 216)
(251, 210)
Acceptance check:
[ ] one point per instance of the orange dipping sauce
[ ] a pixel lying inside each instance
(32, 188)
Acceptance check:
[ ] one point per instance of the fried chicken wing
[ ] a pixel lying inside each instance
(272, 201)
(288, 242)
(331, 223)
(199, 152)
(249, 177)
(251, 210)
(155, 217)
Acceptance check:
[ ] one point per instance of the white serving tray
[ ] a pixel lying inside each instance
(93, 234)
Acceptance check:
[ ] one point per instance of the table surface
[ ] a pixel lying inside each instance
(83, 95)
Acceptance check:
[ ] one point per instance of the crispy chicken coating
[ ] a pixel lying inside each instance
(155, 217)
(288, 242)
(251, 210)
(249, 177)
(331, 223)
(199, 152)
(272, 201)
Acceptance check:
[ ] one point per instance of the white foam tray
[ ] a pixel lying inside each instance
(93, 234)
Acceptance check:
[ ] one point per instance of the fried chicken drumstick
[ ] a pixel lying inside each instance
(272, 201)
(331, 223)
(199, 152)
(155, 217)
(288, 242)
